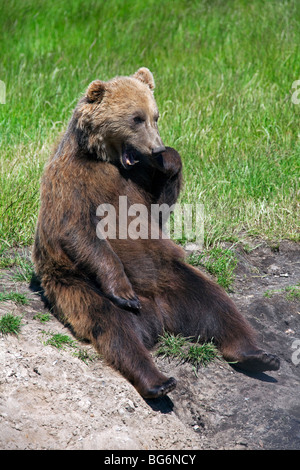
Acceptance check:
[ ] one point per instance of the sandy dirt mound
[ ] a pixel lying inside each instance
(51, 399)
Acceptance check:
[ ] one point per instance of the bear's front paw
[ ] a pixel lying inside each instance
(170, 162)
(132, 303)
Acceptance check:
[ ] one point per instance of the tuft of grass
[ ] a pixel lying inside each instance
(60, 341)
(219, 262)
(42, 317)
(6, 262)
(22, 264)
(171, 346)
(268, 294)
(84, 355)
(292, 292)
(201, 354)
(14, 297)
(24, 271)
(10, 324)
(182, 349)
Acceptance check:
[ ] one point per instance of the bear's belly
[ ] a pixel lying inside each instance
(147, 263)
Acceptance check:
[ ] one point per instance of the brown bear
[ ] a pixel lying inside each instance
(122, 292)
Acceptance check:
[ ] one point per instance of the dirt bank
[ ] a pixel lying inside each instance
(51, 399)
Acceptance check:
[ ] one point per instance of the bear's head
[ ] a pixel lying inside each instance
(117, 119)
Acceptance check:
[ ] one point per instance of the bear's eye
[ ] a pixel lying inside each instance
(138, 120)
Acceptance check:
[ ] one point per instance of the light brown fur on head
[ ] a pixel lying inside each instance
(119, 118)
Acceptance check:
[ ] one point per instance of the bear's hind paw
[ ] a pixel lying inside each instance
(160, 390)
(258, 361)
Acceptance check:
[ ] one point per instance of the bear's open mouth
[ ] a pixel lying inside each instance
(129, 156)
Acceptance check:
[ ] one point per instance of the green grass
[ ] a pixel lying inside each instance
(219, 262)
(14, 297)
(24, 270)
(292, 292)
(171, 346)
(61, 341)
(178, 348)
(224, 73)
(10, 324)
(200, 355)
(23, 266)
(6, 262)
(42, 317)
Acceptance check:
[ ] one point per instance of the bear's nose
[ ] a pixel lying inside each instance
(158, 150)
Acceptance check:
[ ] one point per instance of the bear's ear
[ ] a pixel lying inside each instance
(95, 91)
(144, 75)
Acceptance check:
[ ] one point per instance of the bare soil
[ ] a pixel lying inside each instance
(51, 399)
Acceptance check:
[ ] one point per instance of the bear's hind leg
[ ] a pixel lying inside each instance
(202, 309)
(115, 333)
(126, 353)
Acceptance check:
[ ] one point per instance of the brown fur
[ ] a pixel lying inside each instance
(122, 293)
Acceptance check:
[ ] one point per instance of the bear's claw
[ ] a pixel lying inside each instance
(161, 390)
(258, 361)
(132, 304)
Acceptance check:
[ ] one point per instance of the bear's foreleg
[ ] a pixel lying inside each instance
(200, 308)
(97, 258)
(118, 335)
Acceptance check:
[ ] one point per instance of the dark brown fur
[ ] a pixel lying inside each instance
(121, 293)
